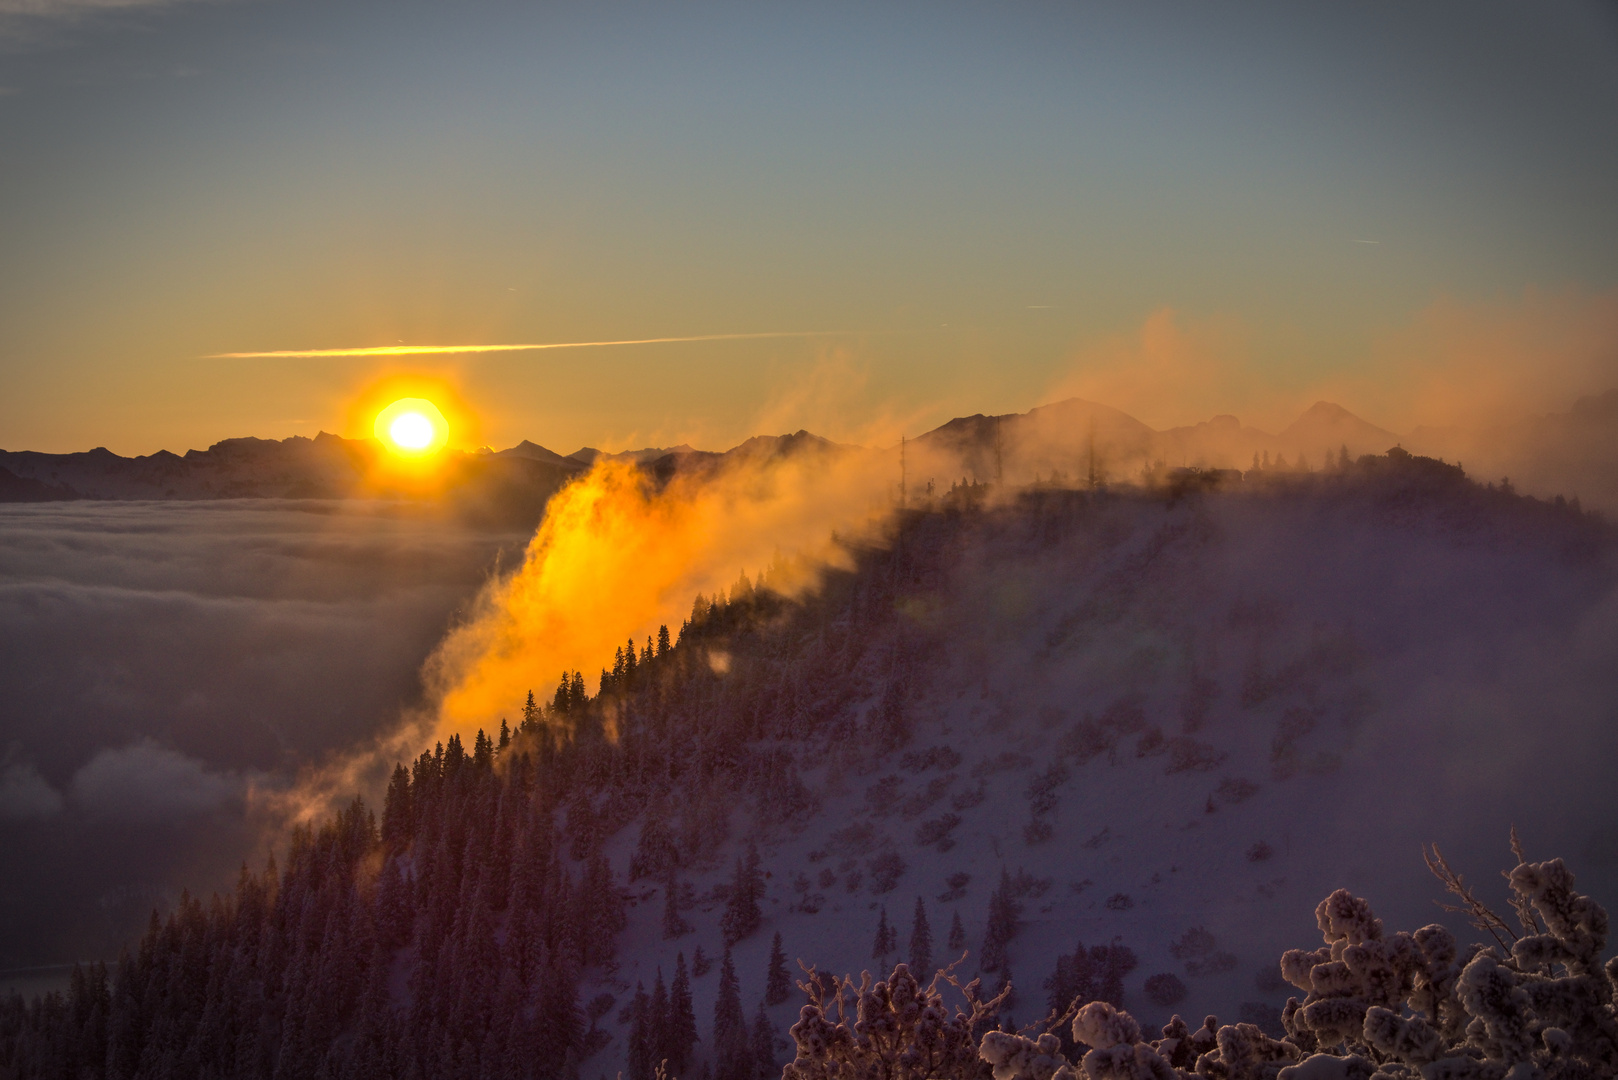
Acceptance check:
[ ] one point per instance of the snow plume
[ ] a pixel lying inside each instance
(619, 554)
(622, 550)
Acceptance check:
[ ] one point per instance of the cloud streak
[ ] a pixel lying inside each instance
(435, 350)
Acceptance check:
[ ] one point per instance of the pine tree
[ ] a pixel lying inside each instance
(957, 934)
(393, 907)
(1114, 961)
(763, 1046)
(638, 1054)
(530, 716)
(657, 1015)
(742, 912)
(397, 824)
(733, 1056)
(777, 982)
(1004, 913)
(887, 939)
(674, 924)
(921, 944)
(701, 963)
(654, 850)
(680, 1034)
(663, 640)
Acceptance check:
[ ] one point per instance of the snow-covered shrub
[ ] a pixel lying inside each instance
(1538, 1005)
(895, 1029)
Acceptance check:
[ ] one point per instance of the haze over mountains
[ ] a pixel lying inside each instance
(1571, 454)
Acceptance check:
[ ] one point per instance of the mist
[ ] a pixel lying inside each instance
(1511, 386)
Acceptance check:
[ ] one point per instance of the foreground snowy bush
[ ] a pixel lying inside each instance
(1537, 1005)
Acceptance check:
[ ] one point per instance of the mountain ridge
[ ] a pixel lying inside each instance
(1071, 441)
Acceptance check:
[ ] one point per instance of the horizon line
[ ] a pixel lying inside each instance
(416, 350)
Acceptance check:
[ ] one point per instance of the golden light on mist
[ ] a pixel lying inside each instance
(412, 427)
(617, 554)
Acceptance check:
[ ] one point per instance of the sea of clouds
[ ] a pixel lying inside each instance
(164, 663)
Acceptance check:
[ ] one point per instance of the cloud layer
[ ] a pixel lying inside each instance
(168, 665)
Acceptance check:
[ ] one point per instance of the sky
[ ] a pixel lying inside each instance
(973, 207)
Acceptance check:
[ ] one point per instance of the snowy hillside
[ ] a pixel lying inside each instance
(1168, 716)
(1161, 723)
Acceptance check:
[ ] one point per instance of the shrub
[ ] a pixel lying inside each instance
(1194, 943)
(957, 886)
(1264, 1016)
(937, 830)
(1165, 989)
(886, 870)
(965, 800)
(1188, 755)
(1215, 963)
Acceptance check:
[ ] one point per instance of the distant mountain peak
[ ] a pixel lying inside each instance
(1327, 410)
(1325, 425)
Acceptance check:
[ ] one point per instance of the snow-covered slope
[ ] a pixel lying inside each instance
(1160, 714)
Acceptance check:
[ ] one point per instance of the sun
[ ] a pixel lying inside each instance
(412, 427)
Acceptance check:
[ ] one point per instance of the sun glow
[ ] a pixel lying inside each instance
(413, 427)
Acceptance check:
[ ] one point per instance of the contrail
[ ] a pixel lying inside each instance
(418, 350)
